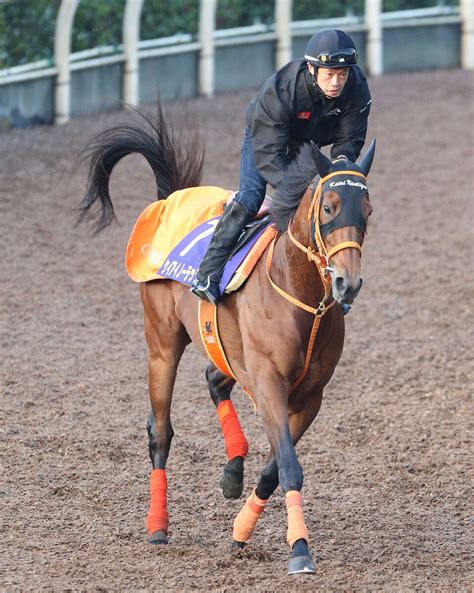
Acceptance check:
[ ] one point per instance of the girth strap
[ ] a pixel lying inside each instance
(209, 332)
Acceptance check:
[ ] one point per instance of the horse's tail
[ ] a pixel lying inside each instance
(176, 162)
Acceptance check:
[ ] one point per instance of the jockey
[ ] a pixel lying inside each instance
(324, 98)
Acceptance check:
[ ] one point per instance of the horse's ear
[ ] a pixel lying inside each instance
(323, 164)
(366, 161)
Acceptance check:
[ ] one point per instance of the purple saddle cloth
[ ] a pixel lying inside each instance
(183, 261)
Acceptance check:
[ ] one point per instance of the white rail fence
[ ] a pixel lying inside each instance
(221, 59)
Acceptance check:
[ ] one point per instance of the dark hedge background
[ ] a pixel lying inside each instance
(27, 27)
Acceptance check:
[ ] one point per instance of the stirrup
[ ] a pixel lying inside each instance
(208, 290)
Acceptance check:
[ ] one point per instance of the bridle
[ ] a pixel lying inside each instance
(320, 256)
(315, 224)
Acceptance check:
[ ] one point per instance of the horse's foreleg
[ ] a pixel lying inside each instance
(290, 474)
(236, 445)
(166, 339)
(284, 468)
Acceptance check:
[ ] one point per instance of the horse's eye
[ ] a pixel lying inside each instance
(327, 209)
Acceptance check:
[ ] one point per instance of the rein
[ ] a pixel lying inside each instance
(320, 257)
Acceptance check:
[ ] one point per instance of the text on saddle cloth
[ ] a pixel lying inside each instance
(183, 261)
(163, 245)
(164, 223)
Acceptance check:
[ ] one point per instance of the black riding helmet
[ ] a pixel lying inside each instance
(331, 48)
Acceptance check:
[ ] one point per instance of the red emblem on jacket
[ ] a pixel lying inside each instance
(304, 115)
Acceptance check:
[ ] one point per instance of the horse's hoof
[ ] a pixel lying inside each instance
(301, 564)
(159, 537)
(230, 488)
(232, 479)
(238, 545)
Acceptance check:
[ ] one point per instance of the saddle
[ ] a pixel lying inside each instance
(171, 237)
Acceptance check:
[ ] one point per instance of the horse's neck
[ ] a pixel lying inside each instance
(300, 225)
(297, 274)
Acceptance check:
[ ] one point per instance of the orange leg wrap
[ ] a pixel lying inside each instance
(157, 518)
(235, 441)
(296, 527)
(246, 520)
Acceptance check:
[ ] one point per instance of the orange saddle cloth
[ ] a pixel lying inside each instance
(163, 225)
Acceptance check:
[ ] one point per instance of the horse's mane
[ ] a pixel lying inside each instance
(298, 175)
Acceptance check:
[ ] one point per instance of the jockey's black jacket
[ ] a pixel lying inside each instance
(291, 109)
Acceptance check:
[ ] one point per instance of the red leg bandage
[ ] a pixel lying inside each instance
(235, 441)
(296, 526)
(246, 520)
(157, 518)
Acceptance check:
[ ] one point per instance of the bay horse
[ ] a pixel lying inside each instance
(282, 332)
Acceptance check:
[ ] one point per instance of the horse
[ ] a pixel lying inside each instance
(282, 332)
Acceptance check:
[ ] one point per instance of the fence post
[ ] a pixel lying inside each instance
(62, 49)
(373, 21)
(131, 37)
(467, 35)
(283, 10)
(207, 23)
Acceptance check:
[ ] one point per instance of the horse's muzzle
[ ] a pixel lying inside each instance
(343, 291)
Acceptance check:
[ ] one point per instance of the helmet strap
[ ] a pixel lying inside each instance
(313, 76)
(315, 82)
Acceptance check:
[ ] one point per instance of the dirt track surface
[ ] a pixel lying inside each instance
(386, 492)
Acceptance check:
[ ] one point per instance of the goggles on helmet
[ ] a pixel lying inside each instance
(340, 57)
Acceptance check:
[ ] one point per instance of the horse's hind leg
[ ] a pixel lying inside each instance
(220, 387)
(166, 339)
(159, 442)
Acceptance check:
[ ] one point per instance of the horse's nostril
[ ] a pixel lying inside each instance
(340, 284)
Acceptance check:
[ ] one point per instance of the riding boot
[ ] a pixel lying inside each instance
(228, 229)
